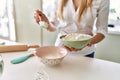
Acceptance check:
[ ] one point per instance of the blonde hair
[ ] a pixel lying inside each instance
(84, 5)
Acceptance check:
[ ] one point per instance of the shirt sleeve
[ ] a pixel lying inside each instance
(102, 17)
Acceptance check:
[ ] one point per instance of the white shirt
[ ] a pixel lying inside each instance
(99, 12)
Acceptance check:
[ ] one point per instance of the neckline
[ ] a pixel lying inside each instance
(74, 6)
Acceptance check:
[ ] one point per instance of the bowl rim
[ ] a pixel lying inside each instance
(65, 54)
(90, 37)
(77, 40)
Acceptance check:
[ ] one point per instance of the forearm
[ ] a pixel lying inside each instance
(51, 27)
(97, 38)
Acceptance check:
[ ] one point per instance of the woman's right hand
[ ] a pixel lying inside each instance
(40, 16)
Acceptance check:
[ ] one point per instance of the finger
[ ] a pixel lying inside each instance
(37, 19)
(37, 11)
(77, 49)
(68, 48)
(71, 49)
(41, 15)
(38, 14)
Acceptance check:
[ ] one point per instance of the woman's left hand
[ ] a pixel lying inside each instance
(71, 48)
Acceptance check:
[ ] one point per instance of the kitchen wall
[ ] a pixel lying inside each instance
(109, 48)
(28, 31)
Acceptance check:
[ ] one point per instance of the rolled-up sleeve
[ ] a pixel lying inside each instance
(102, 17)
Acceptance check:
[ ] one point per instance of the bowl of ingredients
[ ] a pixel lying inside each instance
(76, 40)
(51, 55)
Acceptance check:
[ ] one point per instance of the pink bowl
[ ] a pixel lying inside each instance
(51, 55)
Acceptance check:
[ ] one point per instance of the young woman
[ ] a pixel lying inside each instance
(79, 16)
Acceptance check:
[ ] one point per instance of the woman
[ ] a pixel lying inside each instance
(79, 16)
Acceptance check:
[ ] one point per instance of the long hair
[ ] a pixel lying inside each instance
(83, 4)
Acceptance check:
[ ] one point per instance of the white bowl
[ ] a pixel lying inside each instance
(51, 55)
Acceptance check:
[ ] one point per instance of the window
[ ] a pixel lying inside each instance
(7, 27)
(114, 17)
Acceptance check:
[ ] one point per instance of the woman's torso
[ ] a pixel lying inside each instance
(69, 23)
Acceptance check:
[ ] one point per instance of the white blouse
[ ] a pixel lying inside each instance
(98, 15)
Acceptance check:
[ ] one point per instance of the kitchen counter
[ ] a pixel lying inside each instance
(73, 67)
